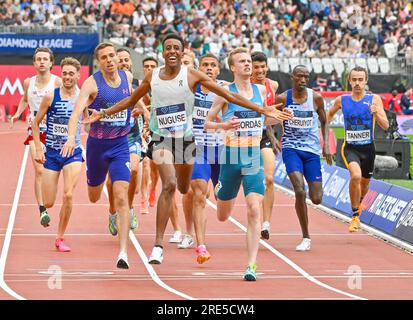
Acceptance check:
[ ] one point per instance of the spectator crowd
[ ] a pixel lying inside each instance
(279, 28)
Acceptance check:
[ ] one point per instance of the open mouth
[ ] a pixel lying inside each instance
(173, 59)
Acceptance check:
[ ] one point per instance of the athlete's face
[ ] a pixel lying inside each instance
(300, 78)
(125, 62)
(173, 52)
(70, 76)
(358, 81)
(148, 66)
(242, 64)
(259, 70)
(210, 67)
(107, 59)
(42, 62)
(188, 61)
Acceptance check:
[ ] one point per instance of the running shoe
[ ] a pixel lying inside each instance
(354, 224)
(144, 207)
(187, 242)
(305, 245)
(265, 231)
(44, 219)
(122, 262)
(202, 254)
(176, 237)
(156, 255)
(133, 219)
(113, 226)
(61, 246)
(152, 198)
(250, 273)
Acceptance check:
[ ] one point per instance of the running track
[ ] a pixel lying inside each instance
(28, 257)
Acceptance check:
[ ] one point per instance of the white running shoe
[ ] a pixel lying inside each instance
(187, 242)
(122, 262)
(305, 245)
(176, 237)
(156, 256)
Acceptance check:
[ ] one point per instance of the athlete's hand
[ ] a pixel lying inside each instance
(69, 147)
(39, 157)
(277, 115)
(327, 155)
(373, 108)
(137, 111)
(231, 124)
(12, 119)
(94, 116)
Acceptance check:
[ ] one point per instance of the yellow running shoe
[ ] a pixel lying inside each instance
(354, 224)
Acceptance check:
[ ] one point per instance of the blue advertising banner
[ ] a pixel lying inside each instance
(404, 226)
(377, 191)
(25, 44)
(388, 208)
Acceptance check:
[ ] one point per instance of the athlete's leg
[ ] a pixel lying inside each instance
(164, 160)
(200, 191)
(187, 205)
(50, 180)
(71, 173)
(254, 201)
(364, 186)
(154, 181)
(38, 169)
(120, 193)
(109, 187)
(146, 172)
(354, 186)
(268, 202)
(135, 178)
(297, 180)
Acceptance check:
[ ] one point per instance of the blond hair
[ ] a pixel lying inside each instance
(69, 61)
(234, 52)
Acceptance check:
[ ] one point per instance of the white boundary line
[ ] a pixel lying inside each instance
(365, 227)
(12, 217)
(290, 262)
(148, 267)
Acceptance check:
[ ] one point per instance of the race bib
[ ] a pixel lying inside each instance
(251, 123)
(358, 136)
(60, 129)
(301, 120)
(117, 117)
(200, 113)
(172, 118)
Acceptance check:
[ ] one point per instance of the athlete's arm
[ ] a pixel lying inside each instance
(274, 85)
(280, 101)
(333, 110)
(87, 91)
(269, 123)
(218, 105)
(43, 108)
(22, 104)
(133, 99)
(58, 82)
(377, 110)
(319, 104)
(235, 98)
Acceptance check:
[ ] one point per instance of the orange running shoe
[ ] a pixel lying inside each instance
(202, 254)
(354, 224)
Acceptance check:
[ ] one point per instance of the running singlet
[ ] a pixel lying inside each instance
(358, 120)
(203, 102)
(270, 93)
(115, 125)
(35, 97)
(301, 132)
(172, 104)
(58, 117)
(251, 122)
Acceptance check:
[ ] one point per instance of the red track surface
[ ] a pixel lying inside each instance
(89, 271)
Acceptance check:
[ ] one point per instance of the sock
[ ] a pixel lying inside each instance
(42, 208)
(355, 212)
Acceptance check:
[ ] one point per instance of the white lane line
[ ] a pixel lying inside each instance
(147, 265)
(12, 217)
(290, 262)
